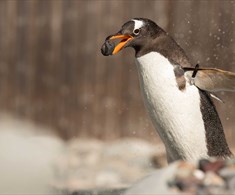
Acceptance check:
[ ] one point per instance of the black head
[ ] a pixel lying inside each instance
(136, 33)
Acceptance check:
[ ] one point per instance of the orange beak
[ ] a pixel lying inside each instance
(124, 40)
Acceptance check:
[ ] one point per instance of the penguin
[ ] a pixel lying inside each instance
(176, 94)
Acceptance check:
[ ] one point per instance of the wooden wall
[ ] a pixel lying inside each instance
(52, 71)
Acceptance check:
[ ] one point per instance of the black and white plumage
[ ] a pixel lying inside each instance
(180, 108)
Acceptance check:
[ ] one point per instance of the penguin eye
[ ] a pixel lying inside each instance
(136, 31)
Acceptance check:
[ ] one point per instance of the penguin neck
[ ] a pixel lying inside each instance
(167, 47)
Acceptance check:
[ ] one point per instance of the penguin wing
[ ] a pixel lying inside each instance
(211, 79)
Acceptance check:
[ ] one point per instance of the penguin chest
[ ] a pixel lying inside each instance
(175, 113)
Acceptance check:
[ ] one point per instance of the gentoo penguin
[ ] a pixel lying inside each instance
(175, 93)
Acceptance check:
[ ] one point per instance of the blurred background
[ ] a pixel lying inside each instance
(53, 76)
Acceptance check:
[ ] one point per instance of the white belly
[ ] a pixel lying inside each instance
(175, 114)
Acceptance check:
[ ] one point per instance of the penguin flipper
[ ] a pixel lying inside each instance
(211, 79)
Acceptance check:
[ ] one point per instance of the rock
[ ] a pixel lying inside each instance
(212, 179)
(131, 147)
(211, 165)
(27, 160)
(99, 192)
(155, 183)
(89, 163)
(231, 185)
(108, 178)
(159, 160)
(184, 177)
(227, 172)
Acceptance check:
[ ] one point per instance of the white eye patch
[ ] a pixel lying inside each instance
(138, 24)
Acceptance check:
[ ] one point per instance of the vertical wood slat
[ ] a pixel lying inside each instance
(7, 37)
(51, 69)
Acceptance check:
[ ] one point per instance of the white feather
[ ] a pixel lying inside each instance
(138, 24)
(175, 114)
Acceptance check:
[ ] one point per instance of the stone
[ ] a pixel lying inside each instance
(212, 179)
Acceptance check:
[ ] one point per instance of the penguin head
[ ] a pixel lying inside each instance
(136, 33)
